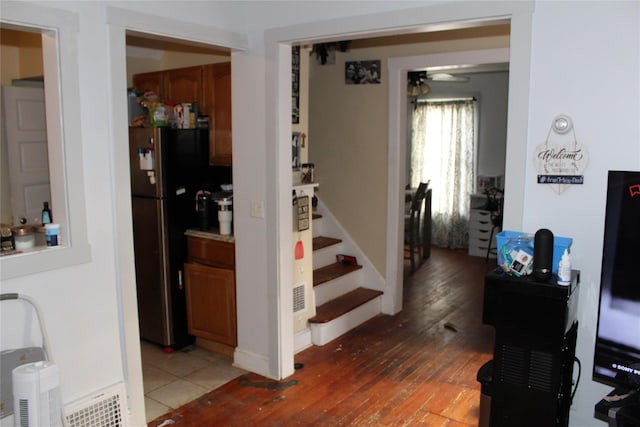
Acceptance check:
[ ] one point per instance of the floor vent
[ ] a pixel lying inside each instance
(104, 409)
(299, 300)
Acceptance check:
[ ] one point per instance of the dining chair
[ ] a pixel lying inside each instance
(412, 227)
(426, 225)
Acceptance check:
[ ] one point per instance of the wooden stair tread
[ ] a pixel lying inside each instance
(315, 216)
(343, 304)
(332, 271)
(320, 242)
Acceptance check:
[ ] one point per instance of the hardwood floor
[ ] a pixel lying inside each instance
(415, 368)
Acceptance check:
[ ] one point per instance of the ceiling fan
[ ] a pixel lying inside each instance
(446, 77)
(417, 83)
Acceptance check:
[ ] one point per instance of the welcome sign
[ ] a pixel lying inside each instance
(560, 165)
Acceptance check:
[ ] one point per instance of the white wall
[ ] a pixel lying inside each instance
(568, 39)
(81, 304)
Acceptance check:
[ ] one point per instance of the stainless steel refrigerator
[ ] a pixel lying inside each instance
(168, 167)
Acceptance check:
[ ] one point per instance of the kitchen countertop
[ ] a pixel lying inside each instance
(212, 233)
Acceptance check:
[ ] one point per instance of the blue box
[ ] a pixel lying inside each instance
(559, 245)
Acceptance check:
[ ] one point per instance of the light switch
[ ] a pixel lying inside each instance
(257, 209)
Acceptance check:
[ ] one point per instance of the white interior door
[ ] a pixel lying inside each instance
(25, 124)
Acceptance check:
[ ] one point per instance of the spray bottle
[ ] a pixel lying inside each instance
(564, 269)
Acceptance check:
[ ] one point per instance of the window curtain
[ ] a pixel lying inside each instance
(442, 152)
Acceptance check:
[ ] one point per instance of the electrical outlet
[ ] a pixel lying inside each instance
(257, 209)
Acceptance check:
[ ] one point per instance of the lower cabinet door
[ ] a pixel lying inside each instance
(211, 303)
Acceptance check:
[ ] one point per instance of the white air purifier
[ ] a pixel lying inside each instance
(36, 395)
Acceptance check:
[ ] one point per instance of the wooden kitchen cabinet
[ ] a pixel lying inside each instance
(184, 85)
(153, 81)
(208, 85)
(211, 290)
(217, 105)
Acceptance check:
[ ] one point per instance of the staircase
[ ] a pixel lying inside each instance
(346, 295)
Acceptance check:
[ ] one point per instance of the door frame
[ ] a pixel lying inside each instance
(120, 21)
(278, 43)
(397, 148)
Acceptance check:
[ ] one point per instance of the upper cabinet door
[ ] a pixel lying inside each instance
(184, 85)
(153, 81)
(208, 85)
(217, 105)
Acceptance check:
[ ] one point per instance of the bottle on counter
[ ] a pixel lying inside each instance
(46, 214)
(564, 269)
(203, 207)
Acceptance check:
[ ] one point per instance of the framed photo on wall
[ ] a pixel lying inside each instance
(362, 72)
(295, 85)
(296, 150)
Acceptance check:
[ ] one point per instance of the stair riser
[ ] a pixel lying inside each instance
(336, 287)
(326, 256)
(317, 227)
(322, 333)
(325, 227)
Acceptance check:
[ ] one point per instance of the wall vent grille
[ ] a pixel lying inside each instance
(104, 409)
(299, 300)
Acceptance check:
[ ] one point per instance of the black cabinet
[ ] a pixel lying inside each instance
(536, 330)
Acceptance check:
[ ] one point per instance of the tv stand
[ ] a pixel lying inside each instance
(620, 412)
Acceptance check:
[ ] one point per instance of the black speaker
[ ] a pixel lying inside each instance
(543, 255)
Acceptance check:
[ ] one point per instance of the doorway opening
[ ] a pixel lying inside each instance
(339, 134)
(174, 370)
(398, 131)
(479, 94)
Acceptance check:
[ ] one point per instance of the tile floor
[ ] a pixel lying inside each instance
(171, 380)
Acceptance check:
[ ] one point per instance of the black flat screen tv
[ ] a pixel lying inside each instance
(617, 344)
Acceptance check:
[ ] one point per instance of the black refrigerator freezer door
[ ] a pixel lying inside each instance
(186, 162)
(146, 157)
(168, 162)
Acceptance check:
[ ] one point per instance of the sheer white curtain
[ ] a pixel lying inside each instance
(442, 146)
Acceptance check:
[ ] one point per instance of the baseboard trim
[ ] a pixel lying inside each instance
(302, 340)
(251, 362)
